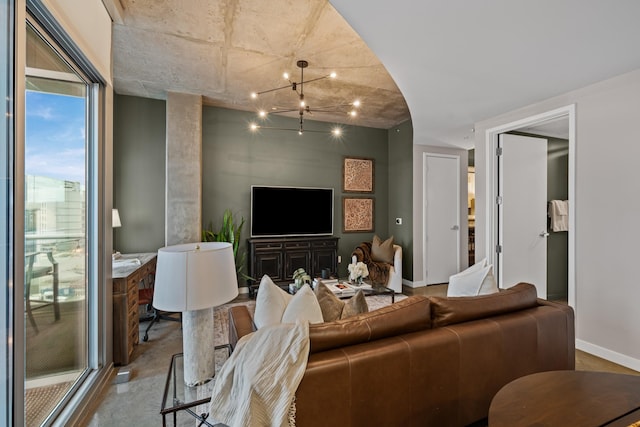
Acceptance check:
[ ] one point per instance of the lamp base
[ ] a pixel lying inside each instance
(198, 346)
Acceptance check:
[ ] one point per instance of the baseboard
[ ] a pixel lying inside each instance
(82, 406)
(243, 290)
(610, 355)
(412, 284)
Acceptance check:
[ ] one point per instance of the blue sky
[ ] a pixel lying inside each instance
(55, 136)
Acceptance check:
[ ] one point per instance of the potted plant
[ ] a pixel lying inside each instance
(229, 232)
(300, 277)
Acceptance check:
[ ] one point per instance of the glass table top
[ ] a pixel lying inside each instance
(193, 399)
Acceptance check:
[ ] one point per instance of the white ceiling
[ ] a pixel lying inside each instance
(456, 62)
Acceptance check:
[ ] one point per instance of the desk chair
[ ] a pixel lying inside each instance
(34, 271)
(145, 298)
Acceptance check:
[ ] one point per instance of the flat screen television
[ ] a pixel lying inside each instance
(291, 211)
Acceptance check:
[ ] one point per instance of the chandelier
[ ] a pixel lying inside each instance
(302, 106)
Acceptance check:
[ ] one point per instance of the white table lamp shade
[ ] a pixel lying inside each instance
(195, 276)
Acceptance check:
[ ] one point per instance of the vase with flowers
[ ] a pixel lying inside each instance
(357, 272)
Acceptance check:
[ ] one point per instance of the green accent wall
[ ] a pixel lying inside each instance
(139, 173)
(400, 151)
(234, 158)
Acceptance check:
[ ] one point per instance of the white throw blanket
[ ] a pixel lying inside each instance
(256, 385)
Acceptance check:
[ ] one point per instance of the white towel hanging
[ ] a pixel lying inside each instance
(559, 214)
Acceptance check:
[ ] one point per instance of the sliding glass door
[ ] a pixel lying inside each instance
(57, 218)
(7, 114)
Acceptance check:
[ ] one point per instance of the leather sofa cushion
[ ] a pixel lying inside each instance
(409, 315)
(451, 310)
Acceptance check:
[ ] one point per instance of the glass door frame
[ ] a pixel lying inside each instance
(7, 138)
(91, 207)
(12, 169)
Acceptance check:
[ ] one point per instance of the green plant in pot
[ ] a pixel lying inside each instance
(300, 277)
(229, 232)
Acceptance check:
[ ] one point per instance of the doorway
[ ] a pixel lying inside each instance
(441, 198)
(564, 116)
(521, 207)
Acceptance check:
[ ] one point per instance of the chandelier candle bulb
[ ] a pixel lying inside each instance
(303, 106)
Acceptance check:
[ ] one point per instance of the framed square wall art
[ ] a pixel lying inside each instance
(357, 175)
(357, 214)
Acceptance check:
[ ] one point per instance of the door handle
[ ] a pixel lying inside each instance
(455, 227)
(544, 234)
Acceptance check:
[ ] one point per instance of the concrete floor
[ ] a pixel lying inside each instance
(138, 401)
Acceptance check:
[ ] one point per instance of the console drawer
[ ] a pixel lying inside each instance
(297, 245)
(268, 246)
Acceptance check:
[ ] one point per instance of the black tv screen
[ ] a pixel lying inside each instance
(291, 211)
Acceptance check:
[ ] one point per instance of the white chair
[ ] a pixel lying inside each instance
(395, 271)
(475, 280)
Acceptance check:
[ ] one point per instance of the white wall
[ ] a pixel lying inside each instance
(607, 201)
(89, 25)
(418, 208)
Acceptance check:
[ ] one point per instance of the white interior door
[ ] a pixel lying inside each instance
(442, 217)
(522, 212)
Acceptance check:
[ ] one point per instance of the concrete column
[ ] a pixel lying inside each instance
(183, 223)
(183, 211)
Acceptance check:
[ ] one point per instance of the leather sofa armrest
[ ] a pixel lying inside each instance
(240, 324)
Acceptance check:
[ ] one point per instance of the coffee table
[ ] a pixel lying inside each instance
(179, 397)
(568, 398)
(374, 290)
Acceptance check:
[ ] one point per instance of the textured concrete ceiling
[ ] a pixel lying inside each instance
(226, 49)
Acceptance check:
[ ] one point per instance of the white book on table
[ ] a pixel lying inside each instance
(325, 281)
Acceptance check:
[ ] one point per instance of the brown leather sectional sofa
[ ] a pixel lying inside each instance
(426, 361)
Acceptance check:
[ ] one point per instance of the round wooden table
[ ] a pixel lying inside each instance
(568, 398)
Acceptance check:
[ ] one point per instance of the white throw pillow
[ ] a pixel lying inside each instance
(477, 266)
(303, 306)
(489, 285)
(274, 305)
(476, 280)
(271, 302)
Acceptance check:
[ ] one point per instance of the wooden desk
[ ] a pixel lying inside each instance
(128, 271)
(567, 398)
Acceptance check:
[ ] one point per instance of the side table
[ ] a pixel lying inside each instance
(179, 397)
(568, 398)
